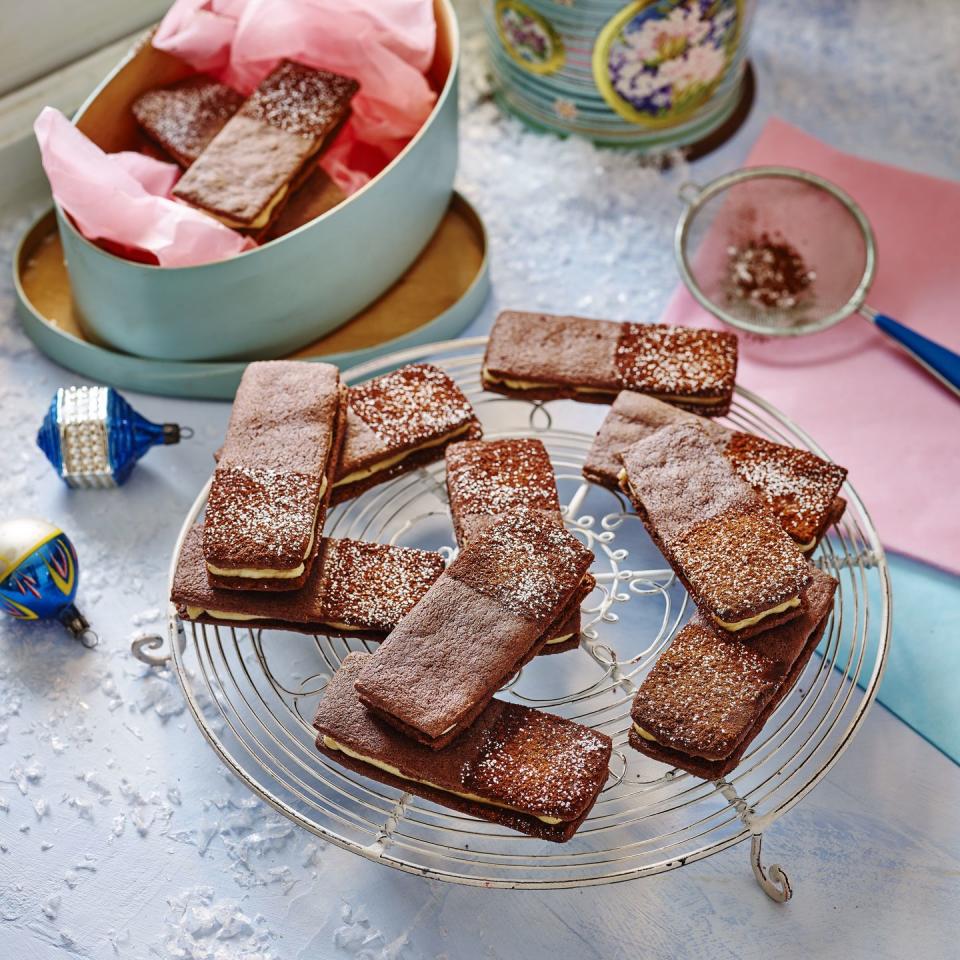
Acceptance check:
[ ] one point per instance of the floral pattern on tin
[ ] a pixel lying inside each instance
(528, 38)
(658, 61)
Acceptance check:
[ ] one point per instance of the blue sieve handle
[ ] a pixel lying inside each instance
(944, 364)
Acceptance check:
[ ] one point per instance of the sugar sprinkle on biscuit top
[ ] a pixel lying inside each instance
(184, 117)
(410, 405)
(677, 362)
(260, 518)
(528, 564)
(488, 478)
(373, 583)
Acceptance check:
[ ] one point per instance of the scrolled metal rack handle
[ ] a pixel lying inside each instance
(773, 881)
(151, 641)
(139, 647)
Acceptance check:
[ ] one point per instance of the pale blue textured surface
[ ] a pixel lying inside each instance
(121, 835)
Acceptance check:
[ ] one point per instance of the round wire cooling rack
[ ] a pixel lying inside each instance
(253, 692)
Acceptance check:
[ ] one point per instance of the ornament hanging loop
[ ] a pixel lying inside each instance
(78, 626)
(174, 433)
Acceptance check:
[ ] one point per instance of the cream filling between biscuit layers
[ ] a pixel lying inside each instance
(332, 744)
(261, 219)
(731, 626)
(540, 385)
(643, 733)
(734, 626)
(388, 462)
(194, 612)
(267, 573)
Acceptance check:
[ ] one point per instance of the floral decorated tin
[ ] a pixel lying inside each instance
(650, 74)
(527, 37)
(657, 64)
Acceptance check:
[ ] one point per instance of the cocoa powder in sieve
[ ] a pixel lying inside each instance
(768, 272)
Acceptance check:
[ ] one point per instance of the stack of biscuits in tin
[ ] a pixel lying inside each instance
(250, 162)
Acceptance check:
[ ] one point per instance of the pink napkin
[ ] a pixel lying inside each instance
(122, 198)
(870, 407)
(387, 46)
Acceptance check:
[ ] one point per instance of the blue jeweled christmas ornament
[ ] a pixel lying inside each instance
(39, 575)
(93, 437)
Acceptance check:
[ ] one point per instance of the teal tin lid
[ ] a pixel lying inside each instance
(436, 299)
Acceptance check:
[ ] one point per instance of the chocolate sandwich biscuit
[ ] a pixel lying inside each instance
(354, 589)
(710, 694)
(738, 564)
(524, 769)
(247, 172)
(487, 479)
(487, 615)
(398, 422)
(536, 356)
(798, 486)
(268, 499)
(184, 117)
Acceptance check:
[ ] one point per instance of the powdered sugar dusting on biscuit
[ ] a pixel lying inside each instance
(259, 518)
(740, 562)
(676, 361)
(539, 763)
(527, 563)
(799, 486)
(703, 692)
(374, 585)
(185, 117)
(491, 477)
(411, 406)
(301, 100)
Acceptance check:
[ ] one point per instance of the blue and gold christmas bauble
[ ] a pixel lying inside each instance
(93, 437)
(39, 574)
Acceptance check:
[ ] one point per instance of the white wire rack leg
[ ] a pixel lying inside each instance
(140, 646)
(773, 881)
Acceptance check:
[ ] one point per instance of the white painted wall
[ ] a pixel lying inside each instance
(38, 36)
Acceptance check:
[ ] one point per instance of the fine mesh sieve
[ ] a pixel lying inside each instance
(782, 252)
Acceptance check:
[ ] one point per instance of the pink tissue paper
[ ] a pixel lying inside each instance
(123, 198)
(387, 47)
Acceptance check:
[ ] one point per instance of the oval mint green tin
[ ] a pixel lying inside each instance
(276, 298)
